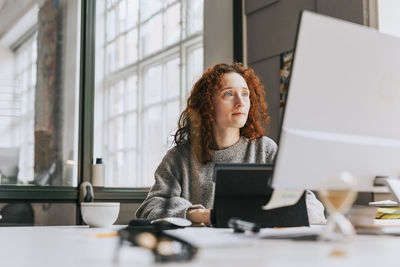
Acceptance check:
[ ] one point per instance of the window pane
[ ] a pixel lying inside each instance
(111, 3)
(195, 66)
(149, 7)
(173, 27)
(120, 46)
(33, 75)
(195, 16)
(131, 128)
(111, 27)
(151, 36)
(117, 99)
(115, 174)
(153, 85)
(132, 46)
(39, 114)
(133, 11)
(171, 1)
(153, 140)
(111, 58)
(121, 16)
(37, 214)
(131, 93)
(131, 172)
(116, 134)
(173, 78)
(173, 112)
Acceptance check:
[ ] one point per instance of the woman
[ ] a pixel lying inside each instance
(221, 124)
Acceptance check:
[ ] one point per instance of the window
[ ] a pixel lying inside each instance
(148, 54)
(39, 97)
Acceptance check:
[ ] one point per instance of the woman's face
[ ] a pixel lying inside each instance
(232, 102)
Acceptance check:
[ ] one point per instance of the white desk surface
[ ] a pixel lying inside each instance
(76, 246)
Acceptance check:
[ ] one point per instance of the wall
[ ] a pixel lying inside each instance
(218, 32)
(271, 30)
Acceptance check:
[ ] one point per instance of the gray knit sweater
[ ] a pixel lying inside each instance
(182, 182)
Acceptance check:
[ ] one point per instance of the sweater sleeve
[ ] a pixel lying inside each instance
(164, 198)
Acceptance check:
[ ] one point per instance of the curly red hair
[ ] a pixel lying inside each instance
(196, 121)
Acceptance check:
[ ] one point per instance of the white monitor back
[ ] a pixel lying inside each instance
(343, 106)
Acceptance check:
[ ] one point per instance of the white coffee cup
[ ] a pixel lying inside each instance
(100, 214)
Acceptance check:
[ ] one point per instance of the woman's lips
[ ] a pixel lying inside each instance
(238, 114)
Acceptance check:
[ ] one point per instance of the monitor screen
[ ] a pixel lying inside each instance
(343, 106)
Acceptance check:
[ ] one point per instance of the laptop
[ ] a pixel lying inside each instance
(240, 192)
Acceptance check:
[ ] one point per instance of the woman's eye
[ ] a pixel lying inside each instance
(228, 94)
(245, 94)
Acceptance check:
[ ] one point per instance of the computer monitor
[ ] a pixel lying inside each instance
(343, 106)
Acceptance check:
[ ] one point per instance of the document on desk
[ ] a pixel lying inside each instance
(207, 237)
(291, 232)
(282, 198)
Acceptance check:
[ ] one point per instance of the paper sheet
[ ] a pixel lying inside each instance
(282, 198)
(383, 203)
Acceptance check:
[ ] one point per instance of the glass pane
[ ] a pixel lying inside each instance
(33, 75)
(111, 57)
(116, 134)
(37, 214)
(120, 46)
(153, 138)
(195, 16)
(132, 46)
(131, 172)
(132, 13)
(153, 85)
(173, 24)
(121, 16)
(115, 171)
(39, 99)
(131, 129)
(149, 7)
(151, 36)
(195, 66)
(111, 3)
(171, 1)
(131, 93)
(173, 78)
(117, 99)
(173, 112)
(110, 22)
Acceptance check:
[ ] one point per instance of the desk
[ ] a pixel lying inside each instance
(75, 246)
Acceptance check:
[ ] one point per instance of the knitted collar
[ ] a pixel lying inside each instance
(227, 154)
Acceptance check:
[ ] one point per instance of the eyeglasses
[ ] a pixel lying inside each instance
(165, 247)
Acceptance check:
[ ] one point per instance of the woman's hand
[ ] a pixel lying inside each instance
(198, 216)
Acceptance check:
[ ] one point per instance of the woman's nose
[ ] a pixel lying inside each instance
(239, 101)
